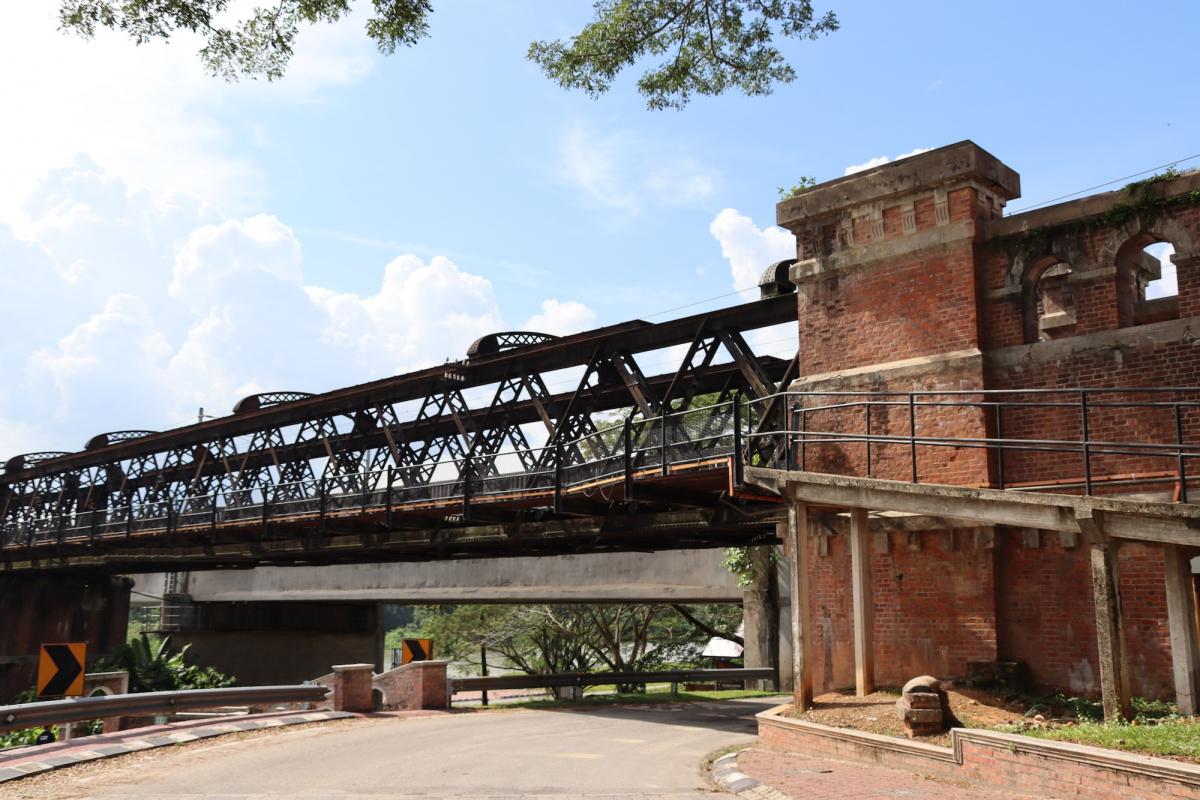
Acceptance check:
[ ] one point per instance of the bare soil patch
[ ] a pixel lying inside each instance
(876, 713)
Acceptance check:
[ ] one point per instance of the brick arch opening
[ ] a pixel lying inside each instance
(1147, 286)
(1048, 300)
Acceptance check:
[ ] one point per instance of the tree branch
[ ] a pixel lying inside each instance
(705, 627)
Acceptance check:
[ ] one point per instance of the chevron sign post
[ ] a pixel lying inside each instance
(60, 670)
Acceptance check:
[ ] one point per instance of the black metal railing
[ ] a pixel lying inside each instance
(613, 454)
(1089, 440)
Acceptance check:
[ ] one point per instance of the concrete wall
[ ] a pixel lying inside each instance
(684, 576)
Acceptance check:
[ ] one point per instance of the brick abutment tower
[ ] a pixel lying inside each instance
(910, 279)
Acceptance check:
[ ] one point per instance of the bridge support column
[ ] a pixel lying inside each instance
(864, 603)
(783, 624)
(802, 635)
(264, 643)
(1110, 637)
(43, 609)
(759, 614)
(1181, 620)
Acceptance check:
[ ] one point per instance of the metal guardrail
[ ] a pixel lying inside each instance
(582, 679)
(52, 712)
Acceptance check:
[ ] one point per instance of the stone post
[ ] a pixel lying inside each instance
(352, 687)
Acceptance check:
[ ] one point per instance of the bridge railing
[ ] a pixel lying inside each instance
(636, 446)
(1090, 441)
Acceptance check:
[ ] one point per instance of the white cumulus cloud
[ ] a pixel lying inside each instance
(879, 161)
(172, 307)
(748, 248)
(562, 318)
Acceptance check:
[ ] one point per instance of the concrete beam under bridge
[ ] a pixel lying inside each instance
(672, 576)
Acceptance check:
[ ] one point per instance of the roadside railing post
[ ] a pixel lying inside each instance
(558, 475)
(1183, 491)
(738, 464)
(1000, 443)
(627, 436)
(391, 479)
(212, 521)
(466, 498)
(1087, 453)
(266, 509)
(788, 419)
(663, 442)
(322, 504)
(912, 433)
(868, 435)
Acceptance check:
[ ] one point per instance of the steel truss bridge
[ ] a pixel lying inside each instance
(405, 469)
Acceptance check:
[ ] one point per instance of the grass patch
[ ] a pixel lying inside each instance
(634, 698)
(1179, 738)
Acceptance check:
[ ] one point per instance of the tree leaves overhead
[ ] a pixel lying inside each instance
(707, 47)
(259, 45)
(704, 47)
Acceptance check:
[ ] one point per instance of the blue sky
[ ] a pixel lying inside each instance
(169, 241)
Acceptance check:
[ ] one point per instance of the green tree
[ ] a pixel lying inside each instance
(702, 47)
(573, 638)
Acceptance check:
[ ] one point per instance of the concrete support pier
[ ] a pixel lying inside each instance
(276, 643)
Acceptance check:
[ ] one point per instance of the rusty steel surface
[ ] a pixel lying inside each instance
(408, 462)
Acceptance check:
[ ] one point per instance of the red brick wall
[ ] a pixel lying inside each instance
(1046, 618)
(421, 684)
(934, 608)
(916, 305)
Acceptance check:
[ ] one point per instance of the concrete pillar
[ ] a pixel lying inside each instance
(43, 609)
(802, 634)
(864, 603)
(783, 625)
(1181, 621)
(352, 687)
(758, 614)
(1110, 642)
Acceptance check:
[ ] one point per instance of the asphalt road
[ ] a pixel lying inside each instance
(652, 751)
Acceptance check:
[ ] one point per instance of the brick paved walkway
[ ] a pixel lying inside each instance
(807, 778)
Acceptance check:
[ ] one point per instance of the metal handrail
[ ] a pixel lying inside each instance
(1088, 405)
(52, 712)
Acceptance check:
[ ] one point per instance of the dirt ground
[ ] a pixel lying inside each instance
(876, 712)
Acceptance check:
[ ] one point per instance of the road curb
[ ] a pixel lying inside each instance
(158, 738)
(725, 774)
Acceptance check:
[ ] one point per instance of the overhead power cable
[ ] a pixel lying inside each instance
(1168, 165)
